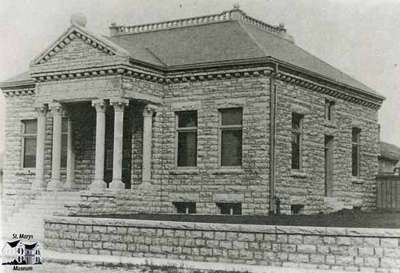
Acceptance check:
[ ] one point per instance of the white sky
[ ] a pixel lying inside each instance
(360, 37)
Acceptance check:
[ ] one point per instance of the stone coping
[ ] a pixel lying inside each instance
(245, 228)
(112, 261)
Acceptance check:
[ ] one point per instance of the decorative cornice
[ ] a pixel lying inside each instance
(161, 77)
(18, 92)
(322, 88)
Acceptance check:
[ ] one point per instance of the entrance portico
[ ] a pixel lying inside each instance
(91, 124)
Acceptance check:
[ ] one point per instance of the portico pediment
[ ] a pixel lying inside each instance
(76, 48)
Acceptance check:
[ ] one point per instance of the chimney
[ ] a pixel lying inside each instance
(113, 29)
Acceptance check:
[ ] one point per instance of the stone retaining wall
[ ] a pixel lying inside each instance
(349, 249)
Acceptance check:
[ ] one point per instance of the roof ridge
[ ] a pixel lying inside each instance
(235, 14)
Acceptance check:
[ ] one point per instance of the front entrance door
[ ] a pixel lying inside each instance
(328, 165)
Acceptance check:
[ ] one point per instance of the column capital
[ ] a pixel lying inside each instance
(99, 104)
(119, 104)
(56, 108)
(41, 109)
(149, 110)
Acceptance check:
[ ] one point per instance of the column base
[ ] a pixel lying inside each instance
(98, 185)
(54, 185)
(117, 185)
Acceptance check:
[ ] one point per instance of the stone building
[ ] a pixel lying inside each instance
(214, 114)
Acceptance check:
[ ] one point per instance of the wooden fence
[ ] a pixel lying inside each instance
(388, 192)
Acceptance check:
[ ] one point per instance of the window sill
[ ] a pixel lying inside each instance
(330, 124)
(357, 180)
(298, 174)
(27, 171)
(184, 170)
(225, 170)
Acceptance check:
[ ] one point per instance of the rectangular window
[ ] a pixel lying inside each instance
(329, 106)
(187, 138)
(355, 151)
(297, 130)
(64, 142)
(230, 208)
(328, 165)
(185, 207)
(231, 120)
(29, 133)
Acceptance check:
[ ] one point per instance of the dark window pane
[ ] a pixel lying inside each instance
(185, 207)
(354, 160)
(232, 116)
(187, 119)
(187, 148)
(230, 208)
(64, 145)
(296, 121)
(231, 148)
(295, 151)
(29, 152)
(30, 126)
(328, 109)
(355, 133)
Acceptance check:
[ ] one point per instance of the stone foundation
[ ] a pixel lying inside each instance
(349, 249)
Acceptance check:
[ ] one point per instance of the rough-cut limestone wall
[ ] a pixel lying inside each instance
(208, 182)
(349, 249)
(308, 187)
(249, 184)
(17, 181)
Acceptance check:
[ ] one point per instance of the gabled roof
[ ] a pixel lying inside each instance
(13, 243)
(389, 151)
(30, 246)
(75, 30)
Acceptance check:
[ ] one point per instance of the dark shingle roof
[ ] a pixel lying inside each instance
(227, 37)
(30, 246)
(13, 243)
(224, 41)
(194, 44)
(389, 151)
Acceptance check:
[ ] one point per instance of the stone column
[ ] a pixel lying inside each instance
(148, 113)
(119, 106)
(55, 182)
(40, 147)
(70, 156)
(98, 183)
